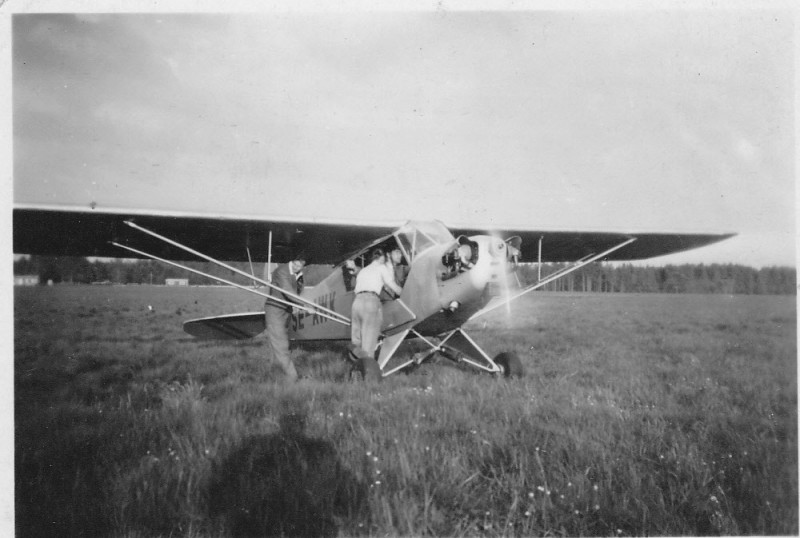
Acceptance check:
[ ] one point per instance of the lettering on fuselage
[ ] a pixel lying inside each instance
(302, 319)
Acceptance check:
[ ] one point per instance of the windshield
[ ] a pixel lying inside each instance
(415, 237)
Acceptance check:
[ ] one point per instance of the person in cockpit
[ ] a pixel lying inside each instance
(465, 257)
(395, 262)
(460, 258)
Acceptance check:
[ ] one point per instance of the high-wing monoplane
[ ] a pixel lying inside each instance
(453, 275)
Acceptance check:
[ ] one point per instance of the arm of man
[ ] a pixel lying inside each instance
(388, 280)
(283, 278)
(400, 274)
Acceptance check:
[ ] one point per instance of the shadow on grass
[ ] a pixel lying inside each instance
(60, 495)
(285, 484)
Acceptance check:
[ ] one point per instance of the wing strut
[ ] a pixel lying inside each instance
(539, 264)
(331, 314)
(269, 258)
(580, 263)
(231, 283)
(250, 261)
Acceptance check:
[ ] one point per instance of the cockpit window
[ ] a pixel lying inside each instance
(415, 237)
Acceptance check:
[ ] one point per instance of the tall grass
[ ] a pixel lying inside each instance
(639, 415)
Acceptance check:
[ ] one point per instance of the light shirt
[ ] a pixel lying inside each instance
(373, 277)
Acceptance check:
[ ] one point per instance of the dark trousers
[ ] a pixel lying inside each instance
(278, 335)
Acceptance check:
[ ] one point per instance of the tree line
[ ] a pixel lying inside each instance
(686, 278)
(75, 270)
(595, 277)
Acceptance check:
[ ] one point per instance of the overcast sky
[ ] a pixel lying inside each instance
(625, 119)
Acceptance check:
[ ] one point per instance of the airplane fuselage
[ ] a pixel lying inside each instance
(436, 297)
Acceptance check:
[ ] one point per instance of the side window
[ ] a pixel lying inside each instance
(406, 243)
(413, 241)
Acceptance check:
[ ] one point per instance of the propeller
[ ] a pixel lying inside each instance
(509, 249)
(513, 249)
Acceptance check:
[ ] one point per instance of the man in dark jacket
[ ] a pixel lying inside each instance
(288, 277)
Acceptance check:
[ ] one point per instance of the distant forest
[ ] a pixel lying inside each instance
(686, 278)
(597, 277)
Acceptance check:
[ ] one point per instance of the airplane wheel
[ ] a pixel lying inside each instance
(510, 364)
(369, 369)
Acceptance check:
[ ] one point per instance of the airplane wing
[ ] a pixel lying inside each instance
(567, 246)
(89, 230)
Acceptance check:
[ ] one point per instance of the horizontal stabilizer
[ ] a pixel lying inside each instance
(227, 327)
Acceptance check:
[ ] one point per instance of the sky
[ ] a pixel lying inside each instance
(666, 119)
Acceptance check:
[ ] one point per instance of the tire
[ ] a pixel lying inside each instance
(369, 370)
(510, 364)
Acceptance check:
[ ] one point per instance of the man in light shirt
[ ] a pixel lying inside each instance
(367, 314)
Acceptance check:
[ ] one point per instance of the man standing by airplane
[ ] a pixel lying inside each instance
(367, 313)
(288, 277)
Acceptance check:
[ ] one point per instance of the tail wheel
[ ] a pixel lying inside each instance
(510, 364)
(369, 370)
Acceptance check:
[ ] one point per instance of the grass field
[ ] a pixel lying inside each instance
(639, 415)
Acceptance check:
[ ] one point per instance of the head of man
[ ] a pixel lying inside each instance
(378, 255)
(396, 256)
(298, 263)
(465, 253)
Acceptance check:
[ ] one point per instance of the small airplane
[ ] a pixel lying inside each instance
(453, 276)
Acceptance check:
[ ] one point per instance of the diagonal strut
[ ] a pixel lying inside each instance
(551, 278)
(295, 297)
(230, 283)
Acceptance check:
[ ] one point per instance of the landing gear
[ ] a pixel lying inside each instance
(456, 346)
(510, 364)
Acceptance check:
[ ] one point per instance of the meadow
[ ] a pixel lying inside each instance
(638, 415)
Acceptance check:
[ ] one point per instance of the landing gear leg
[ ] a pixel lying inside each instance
(460, 347)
